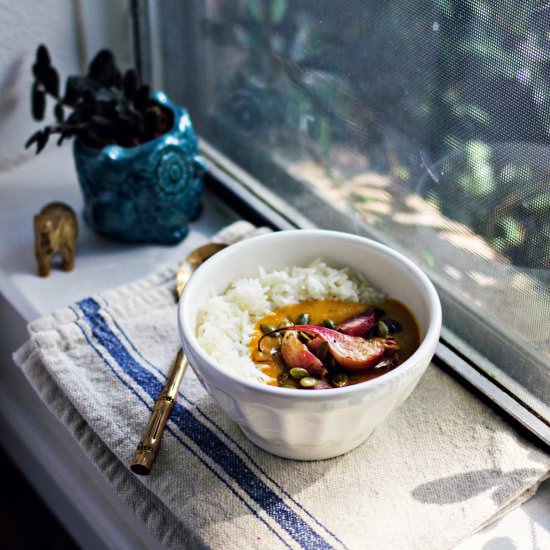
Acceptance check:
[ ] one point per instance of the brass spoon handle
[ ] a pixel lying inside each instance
(148, 447)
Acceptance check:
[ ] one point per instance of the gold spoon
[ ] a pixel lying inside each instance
(149, 445)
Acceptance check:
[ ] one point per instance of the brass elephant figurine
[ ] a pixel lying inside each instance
(55, 231)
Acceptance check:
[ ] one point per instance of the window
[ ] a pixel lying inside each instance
(423, 123)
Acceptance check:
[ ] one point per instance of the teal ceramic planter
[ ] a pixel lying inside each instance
(148, 193)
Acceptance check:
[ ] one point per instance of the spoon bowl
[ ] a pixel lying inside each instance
(194, 260)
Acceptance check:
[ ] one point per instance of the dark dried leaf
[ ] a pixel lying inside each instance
(103, 68)
(101, 58)
(72, 90)
(107, 108)
(42, 143)
(38, 106)
(43, 139)
(151, 120)
(43, 56)
(117, 79)
(51, 81)
(123, 107)
(84, 110)
(58, 112)
(39, 71)
(130, 83)
(141, 98)
(72, 119)
(90, 97)
(42, 64)
(75, 87)
(33, 139)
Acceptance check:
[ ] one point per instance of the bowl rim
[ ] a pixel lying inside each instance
(188, 336)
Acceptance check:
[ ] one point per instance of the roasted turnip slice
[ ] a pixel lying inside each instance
(296, 354)
(360, 325)
(351, 352)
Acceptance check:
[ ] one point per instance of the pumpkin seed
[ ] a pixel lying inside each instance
(339, 379)
(308, 382)
(393, 326)
(383, 330)
(329, 323)
(282, 378)
(330, 363)
(267, 328)
(322, 351)
(303, 319)
(298, 373)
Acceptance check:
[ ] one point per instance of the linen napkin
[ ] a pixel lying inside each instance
(440, 468)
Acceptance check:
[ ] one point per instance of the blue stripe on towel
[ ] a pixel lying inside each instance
(213, 422)
(203, 436)
(178, 438)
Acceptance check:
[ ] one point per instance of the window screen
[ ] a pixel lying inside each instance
(424, 122)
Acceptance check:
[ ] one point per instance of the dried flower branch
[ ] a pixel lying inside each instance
(100, 108)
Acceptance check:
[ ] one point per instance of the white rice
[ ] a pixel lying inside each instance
(226, 322)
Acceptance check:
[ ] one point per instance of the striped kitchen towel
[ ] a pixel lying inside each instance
(440, 468)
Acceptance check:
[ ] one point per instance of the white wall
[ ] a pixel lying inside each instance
(73, 30)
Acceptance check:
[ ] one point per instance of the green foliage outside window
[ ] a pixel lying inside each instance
(452, 97)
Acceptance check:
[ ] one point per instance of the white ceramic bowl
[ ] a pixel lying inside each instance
(305, 424)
